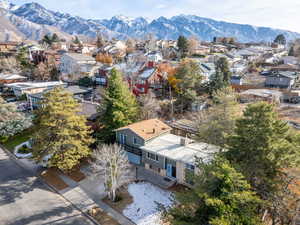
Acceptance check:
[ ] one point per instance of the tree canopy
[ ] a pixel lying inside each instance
(262, 146)
(183, 46)
(12, 121)
(119, 107)
(280, 39)
(61, 132)
(188, 80)
(50, 39)
(222, 76)
(221, 195)
(217, 123)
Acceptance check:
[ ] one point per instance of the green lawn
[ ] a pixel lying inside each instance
(14, 141)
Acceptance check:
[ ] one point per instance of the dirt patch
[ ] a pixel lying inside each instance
(52, 178)
(124, 199)
(102, 217)
(178, 188)
(76, 175)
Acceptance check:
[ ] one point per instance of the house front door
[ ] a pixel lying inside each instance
(169, 170)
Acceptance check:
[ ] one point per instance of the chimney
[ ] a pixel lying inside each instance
(184, 141)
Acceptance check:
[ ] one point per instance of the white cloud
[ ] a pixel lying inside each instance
(161, 6)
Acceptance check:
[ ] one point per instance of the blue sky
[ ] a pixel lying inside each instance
(283, 14)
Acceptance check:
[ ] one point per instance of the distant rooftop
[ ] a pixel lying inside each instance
(11, 76)
(80, 57)
(31, 85)
(147, 73)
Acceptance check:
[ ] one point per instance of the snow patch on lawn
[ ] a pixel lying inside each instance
(143, 210)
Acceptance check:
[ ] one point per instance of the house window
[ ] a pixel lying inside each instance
(122, 139)
(189, 174)
(190, 167)
(152, 156)
(135, 141)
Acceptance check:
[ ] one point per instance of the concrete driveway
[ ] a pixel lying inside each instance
(24, 199)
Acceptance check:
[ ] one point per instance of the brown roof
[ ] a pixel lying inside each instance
(148, 129)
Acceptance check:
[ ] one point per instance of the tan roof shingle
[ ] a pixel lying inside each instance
(148, 129)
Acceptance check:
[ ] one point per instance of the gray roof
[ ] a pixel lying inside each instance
(80, 57)
(169, 146)
(75, 90)
(287, 74)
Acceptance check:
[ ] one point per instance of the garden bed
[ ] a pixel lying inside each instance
(23, 150)
(76, 175)
(51, 176)
(16, 140)
(123, 200)
(102, 217)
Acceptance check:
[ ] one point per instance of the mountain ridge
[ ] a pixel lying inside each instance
(123, 27)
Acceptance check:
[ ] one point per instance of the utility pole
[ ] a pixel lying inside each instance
(172, 106)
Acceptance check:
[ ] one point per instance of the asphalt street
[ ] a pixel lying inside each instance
(24, 199)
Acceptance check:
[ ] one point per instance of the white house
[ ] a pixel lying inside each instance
(154, 56)
(291, 60)
(33, 87)
(77, 65)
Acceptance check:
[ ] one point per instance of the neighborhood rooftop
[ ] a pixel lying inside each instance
(80, 57)
(30, 85)
(11, 76)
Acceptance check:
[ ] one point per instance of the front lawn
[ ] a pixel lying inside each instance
(18, 139)
(144, 208)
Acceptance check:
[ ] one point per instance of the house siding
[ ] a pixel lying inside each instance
(129, 138)
(155, 164)
(281, 81)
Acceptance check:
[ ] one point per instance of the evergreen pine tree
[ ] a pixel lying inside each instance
(61, 132)
(218, 122)
(280, 39)
(119, 107)
(262, 146)
(220, 195)
(183, 46)
(188, 76)
(221, 78)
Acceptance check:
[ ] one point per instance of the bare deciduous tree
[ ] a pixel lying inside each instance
(112, 163)
(193, 45)
(150, 106)
(9, 65)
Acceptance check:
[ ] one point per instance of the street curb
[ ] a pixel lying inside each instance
(16, 160)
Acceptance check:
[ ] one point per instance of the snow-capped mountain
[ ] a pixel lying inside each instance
(123, 27)
(15, 28)
(4, 4)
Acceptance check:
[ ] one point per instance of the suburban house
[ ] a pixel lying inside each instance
(78, 93)
(208, 70)
(236, 80)
(184, 128)
(154, 56)
(8, 48)
(22, 88)
(115, 48)
(11, 78)
(150, 144)
(291, 60)
(148, 78)
(255, 95)
(282, 79)
(77, 65)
